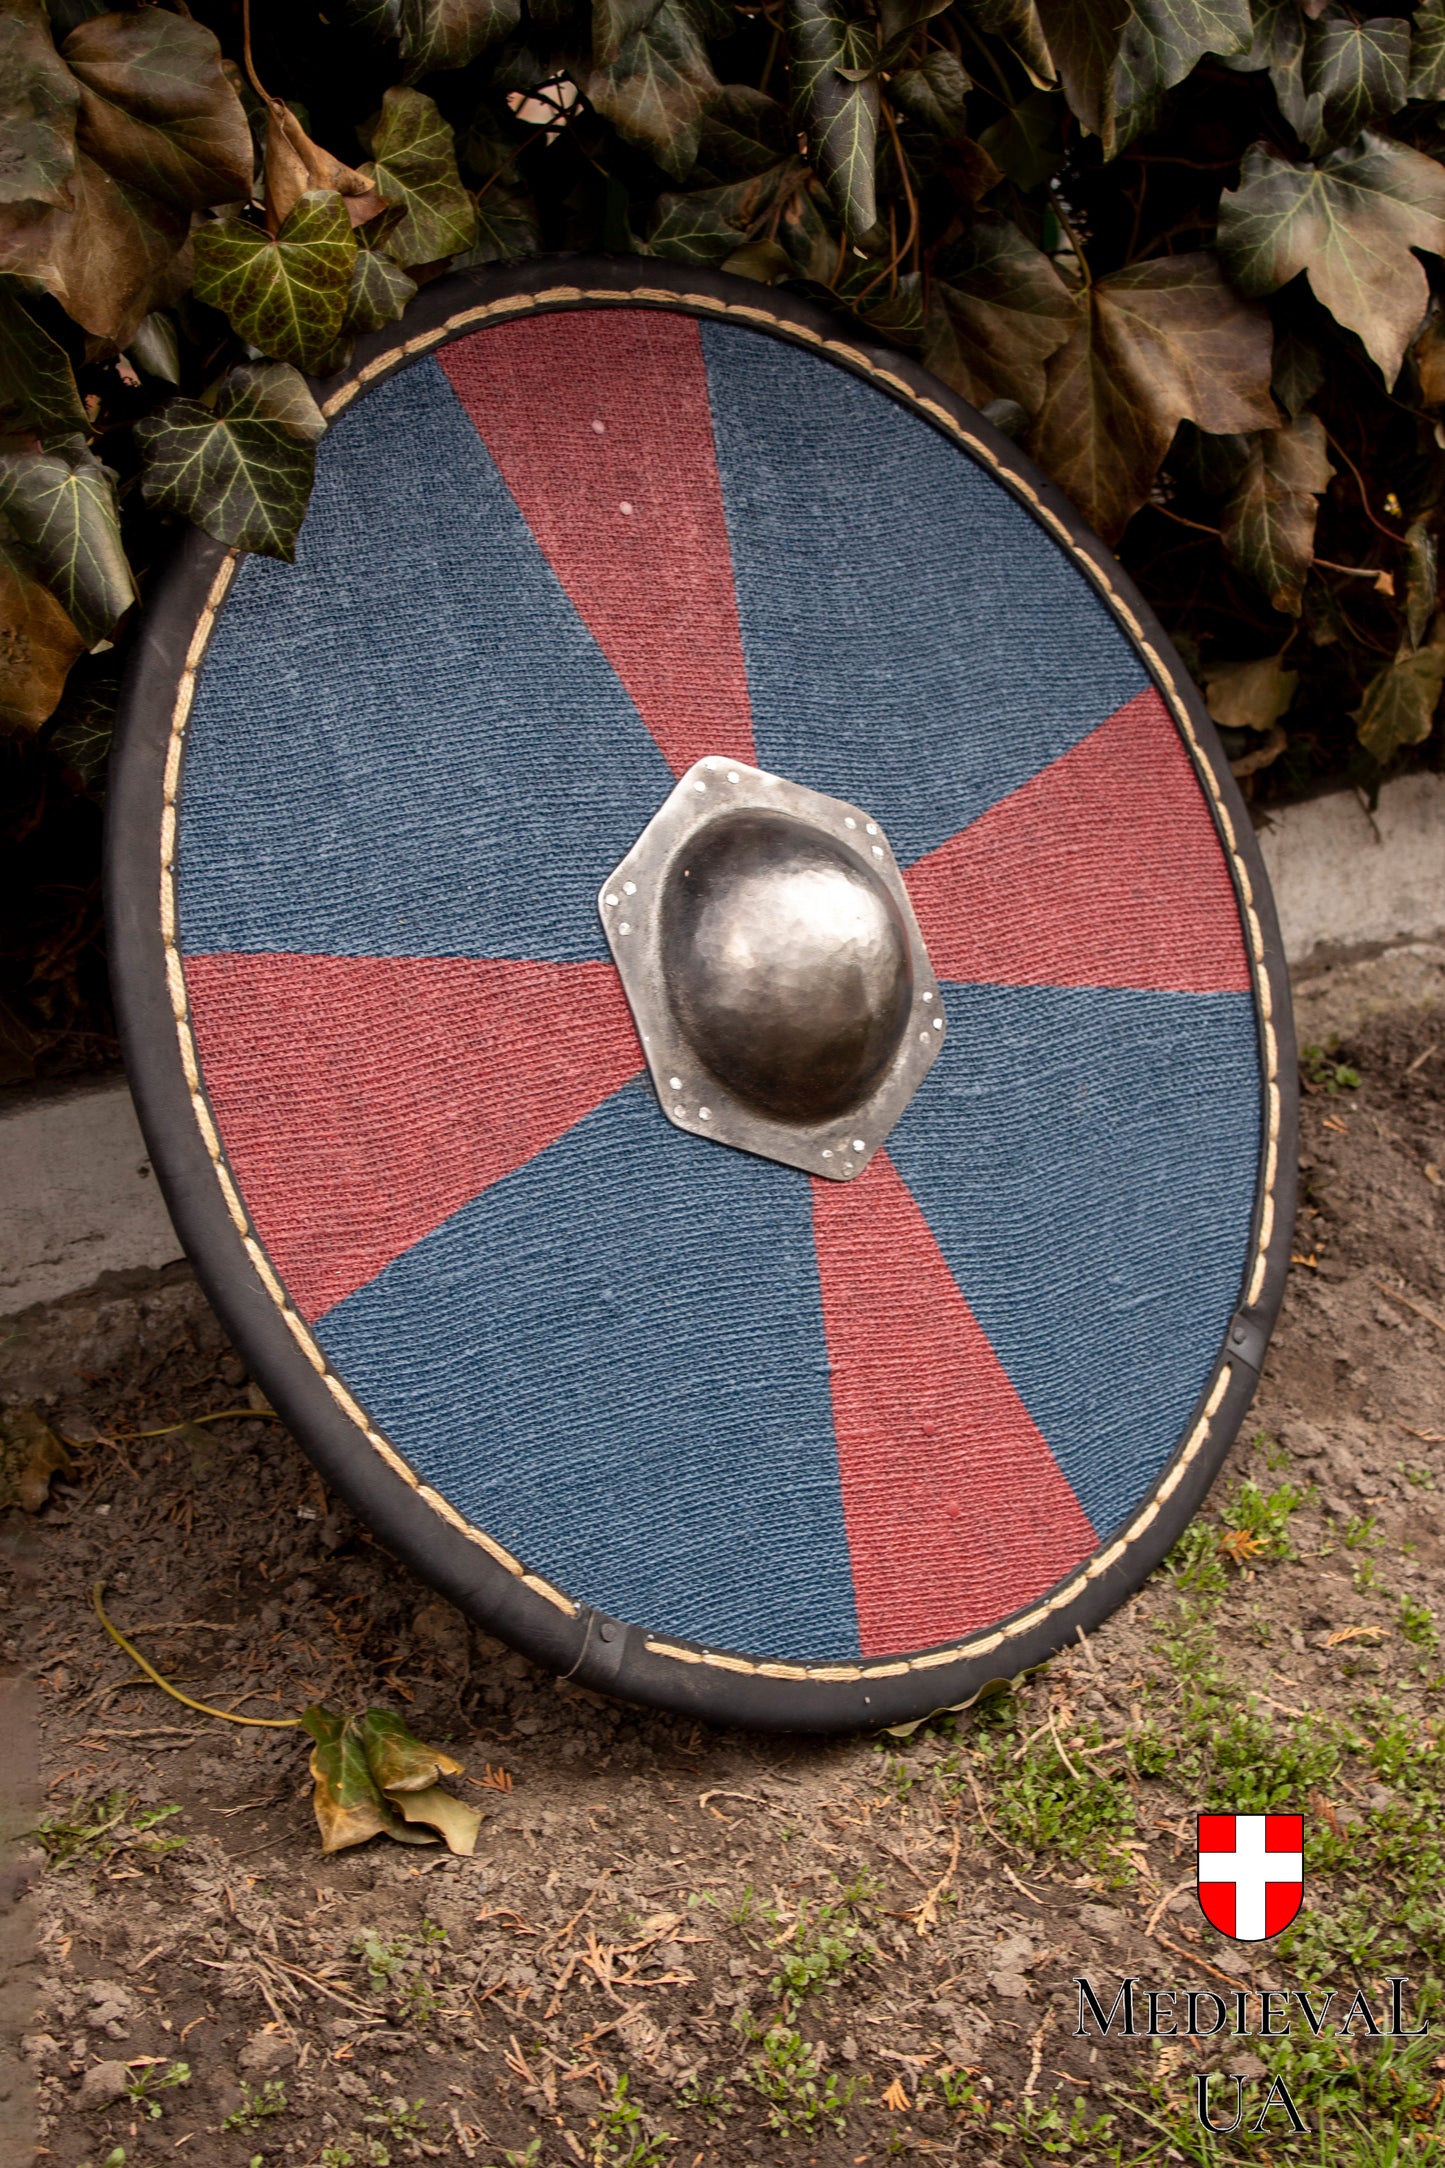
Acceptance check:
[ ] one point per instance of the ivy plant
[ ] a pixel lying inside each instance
(1187, 252)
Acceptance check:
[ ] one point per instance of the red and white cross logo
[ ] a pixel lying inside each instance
(1251, 1872)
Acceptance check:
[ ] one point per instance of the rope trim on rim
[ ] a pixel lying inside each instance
(860, 364)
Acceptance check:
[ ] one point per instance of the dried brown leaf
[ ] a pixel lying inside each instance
(1269, 522)
(1249, 695)
(294, 164)
(30, 1454)
(1156, 344)
(38, 644)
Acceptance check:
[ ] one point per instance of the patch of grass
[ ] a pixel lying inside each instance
(97, 1827)
(258, 2105)
(1044, 1794)
(1252, 1529)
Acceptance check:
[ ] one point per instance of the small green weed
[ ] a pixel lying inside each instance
(257, 2106)
(143, 2085)
(822, 1944)
(98, 1827)
(1321, 1072)
(1417, 1623)
(365, 2152)
(406, 1976)
(787, 2071)
(618, 2140)
(398, 2120)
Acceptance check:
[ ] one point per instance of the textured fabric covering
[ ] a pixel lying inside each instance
(688, 1386)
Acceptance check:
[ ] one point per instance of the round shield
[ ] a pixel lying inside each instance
(705, 1002)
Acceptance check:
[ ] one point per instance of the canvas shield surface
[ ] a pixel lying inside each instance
(800, 1340)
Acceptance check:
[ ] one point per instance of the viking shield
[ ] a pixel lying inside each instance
(742, 1322)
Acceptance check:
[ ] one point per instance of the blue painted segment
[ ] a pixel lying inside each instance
(915, 641)
(408, 744)
(1088, 1161)
(613, 1361)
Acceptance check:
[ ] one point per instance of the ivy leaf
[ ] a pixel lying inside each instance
(157, 110)
(38, 99)
(1249, 695)
(61, 510)
(377, 20)
(1428, 355)
(242, 469)
(655, 90)
(507, 223)
(1025, 142)
(38, 644)
(614, 22)
(1156, 344)
(30, 1455)
(1084, 37)
(108, 260)
(1422, 579)
(450, 33)
(1298, 371)
(295, 165)
(896, 316)
(1350, 223)
(1162, 42)
(349, 1805)
(1357, 71)
(1278, 45)
(998, 309)
(1017, 23)
(839, 115)
(933, 93)
(707, 225)
(1400, 701)
(37, 384)
(743, 132)
(1269, 522)
(284, 294)
(378, 293)
(808, 235)
(1427, 52)
(414, 163)
(372, 1778)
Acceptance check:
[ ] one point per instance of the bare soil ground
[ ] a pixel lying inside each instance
(689, 1947)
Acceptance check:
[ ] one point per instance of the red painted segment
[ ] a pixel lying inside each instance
(957, 1512)
(1284, 1833)
(1102, 870)
(1282, 1901)
(362, 1100)
(1216, 1832)
(1217, 1903)
(600, 423)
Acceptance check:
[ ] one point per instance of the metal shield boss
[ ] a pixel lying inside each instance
(722, 1049)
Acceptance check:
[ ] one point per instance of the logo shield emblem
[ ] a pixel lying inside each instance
(1251, 1873)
